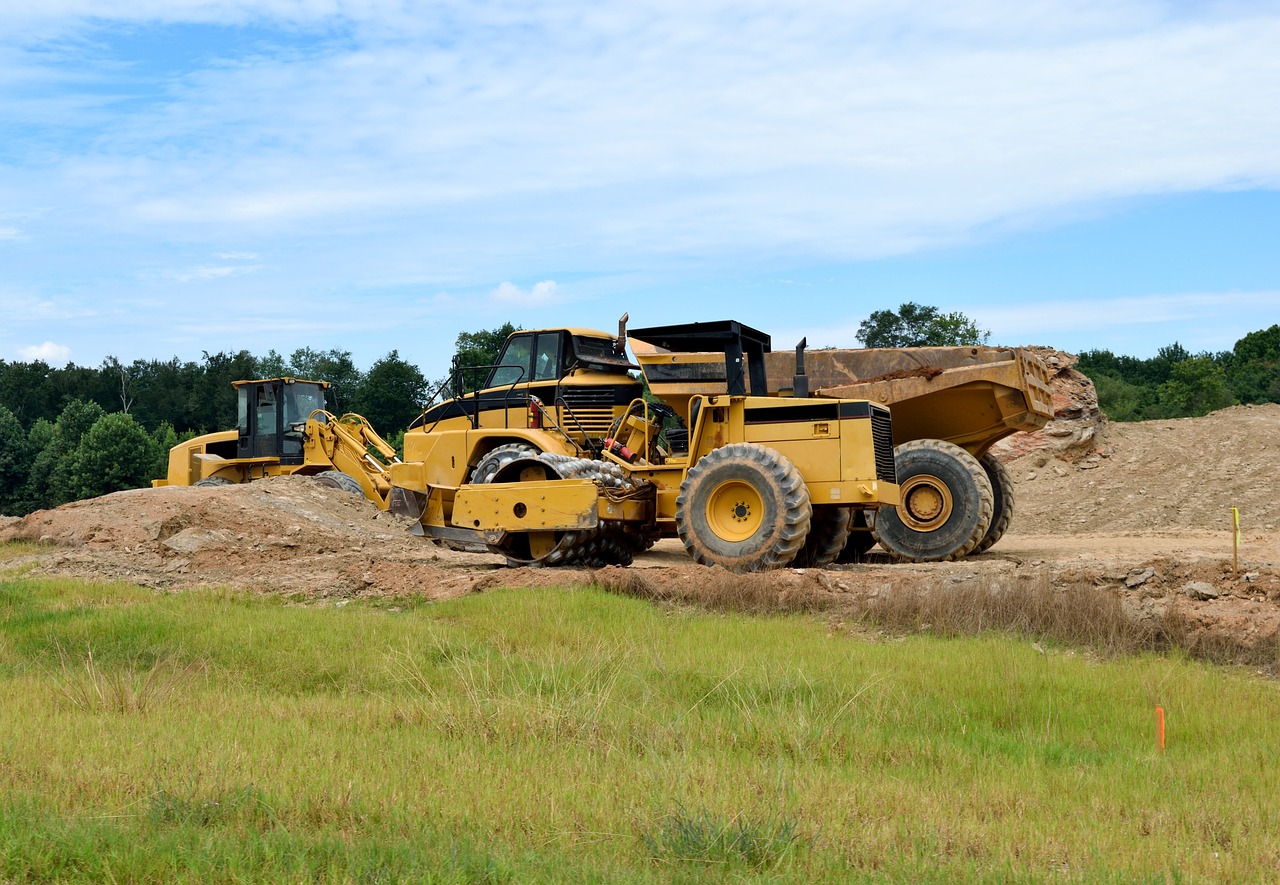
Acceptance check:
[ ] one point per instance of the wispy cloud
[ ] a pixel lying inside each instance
(651, 131)
(543, 293)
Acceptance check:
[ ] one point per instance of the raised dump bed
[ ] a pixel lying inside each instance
(969, 396)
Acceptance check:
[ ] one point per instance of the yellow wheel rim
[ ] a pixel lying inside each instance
(926, 502)
(735, 510)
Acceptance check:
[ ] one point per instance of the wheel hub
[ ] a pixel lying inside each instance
(734, 510)
(926, 502)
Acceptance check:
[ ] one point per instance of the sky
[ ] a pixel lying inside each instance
(188, 176)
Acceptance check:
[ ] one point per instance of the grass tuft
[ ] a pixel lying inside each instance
(169, 808)
(135, 688)
(706, 838)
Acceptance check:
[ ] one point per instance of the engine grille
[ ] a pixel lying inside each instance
(882, 437)
(588, 410)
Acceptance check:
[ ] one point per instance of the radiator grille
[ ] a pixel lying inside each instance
(882, 436)
(587, 397)
(593, 422)
(588, 410)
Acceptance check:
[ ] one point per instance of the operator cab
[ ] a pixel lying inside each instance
(550, 355)
(272, 415)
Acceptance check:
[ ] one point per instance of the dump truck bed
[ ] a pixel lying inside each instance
(970, 396)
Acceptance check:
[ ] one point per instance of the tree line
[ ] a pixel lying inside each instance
(1176, 383)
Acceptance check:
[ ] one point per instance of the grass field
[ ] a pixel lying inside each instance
(579, 736)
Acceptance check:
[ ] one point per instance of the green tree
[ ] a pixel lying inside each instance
(917, 325)
(1120, 400)
(26, 390)
(1196, 386)
(163, 438)
(116, 453)
(392, 394)
(35, 485)
(272, 366)
(14, 461)
(334, 366)
(1263, 345)
(52, 469)
(478, 349)
(1253, 366)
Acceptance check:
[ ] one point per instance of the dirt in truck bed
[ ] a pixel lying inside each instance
(1147, 515)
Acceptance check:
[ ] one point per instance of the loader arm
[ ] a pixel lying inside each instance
(345, 443)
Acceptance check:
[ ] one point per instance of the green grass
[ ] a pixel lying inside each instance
(577, 736)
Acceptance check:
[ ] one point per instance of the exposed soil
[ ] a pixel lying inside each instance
(1145, 515)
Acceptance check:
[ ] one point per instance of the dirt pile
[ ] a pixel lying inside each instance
(288, 534)
(1159, 477)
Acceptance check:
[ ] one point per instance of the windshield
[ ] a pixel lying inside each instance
(300, 400)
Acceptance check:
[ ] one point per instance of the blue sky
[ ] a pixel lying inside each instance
(179, 176)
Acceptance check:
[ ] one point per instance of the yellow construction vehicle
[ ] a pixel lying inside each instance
(283, 429)
(562, 461)
(950, 405)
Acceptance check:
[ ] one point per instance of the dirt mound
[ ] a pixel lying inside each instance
(1159, 476)
(289, 534)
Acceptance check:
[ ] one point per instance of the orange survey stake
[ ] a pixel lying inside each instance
(1160, 728)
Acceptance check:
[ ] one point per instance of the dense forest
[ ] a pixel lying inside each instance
(76, 432)
(1178, 384)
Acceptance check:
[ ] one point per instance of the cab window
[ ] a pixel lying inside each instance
(513, 364)
(546, 361)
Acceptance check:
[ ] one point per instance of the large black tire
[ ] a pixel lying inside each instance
(860, 541)
(946, 503)
(498, 458)
(339, 480)
(212, 481)
(1001, 503)
(744, 507)
(828, 535)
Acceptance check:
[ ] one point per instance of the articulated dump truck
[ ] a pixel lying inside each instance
(558, 459)
(949, 405)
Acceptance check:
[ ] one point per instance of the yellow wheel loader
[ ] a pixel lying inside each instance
(561, 461)
(283, 429)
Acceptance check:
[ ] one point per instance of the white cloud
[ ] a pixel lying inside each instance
(847, 130)
(48, 352)
(543, 293)
(1195, 311)
(11, 233)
